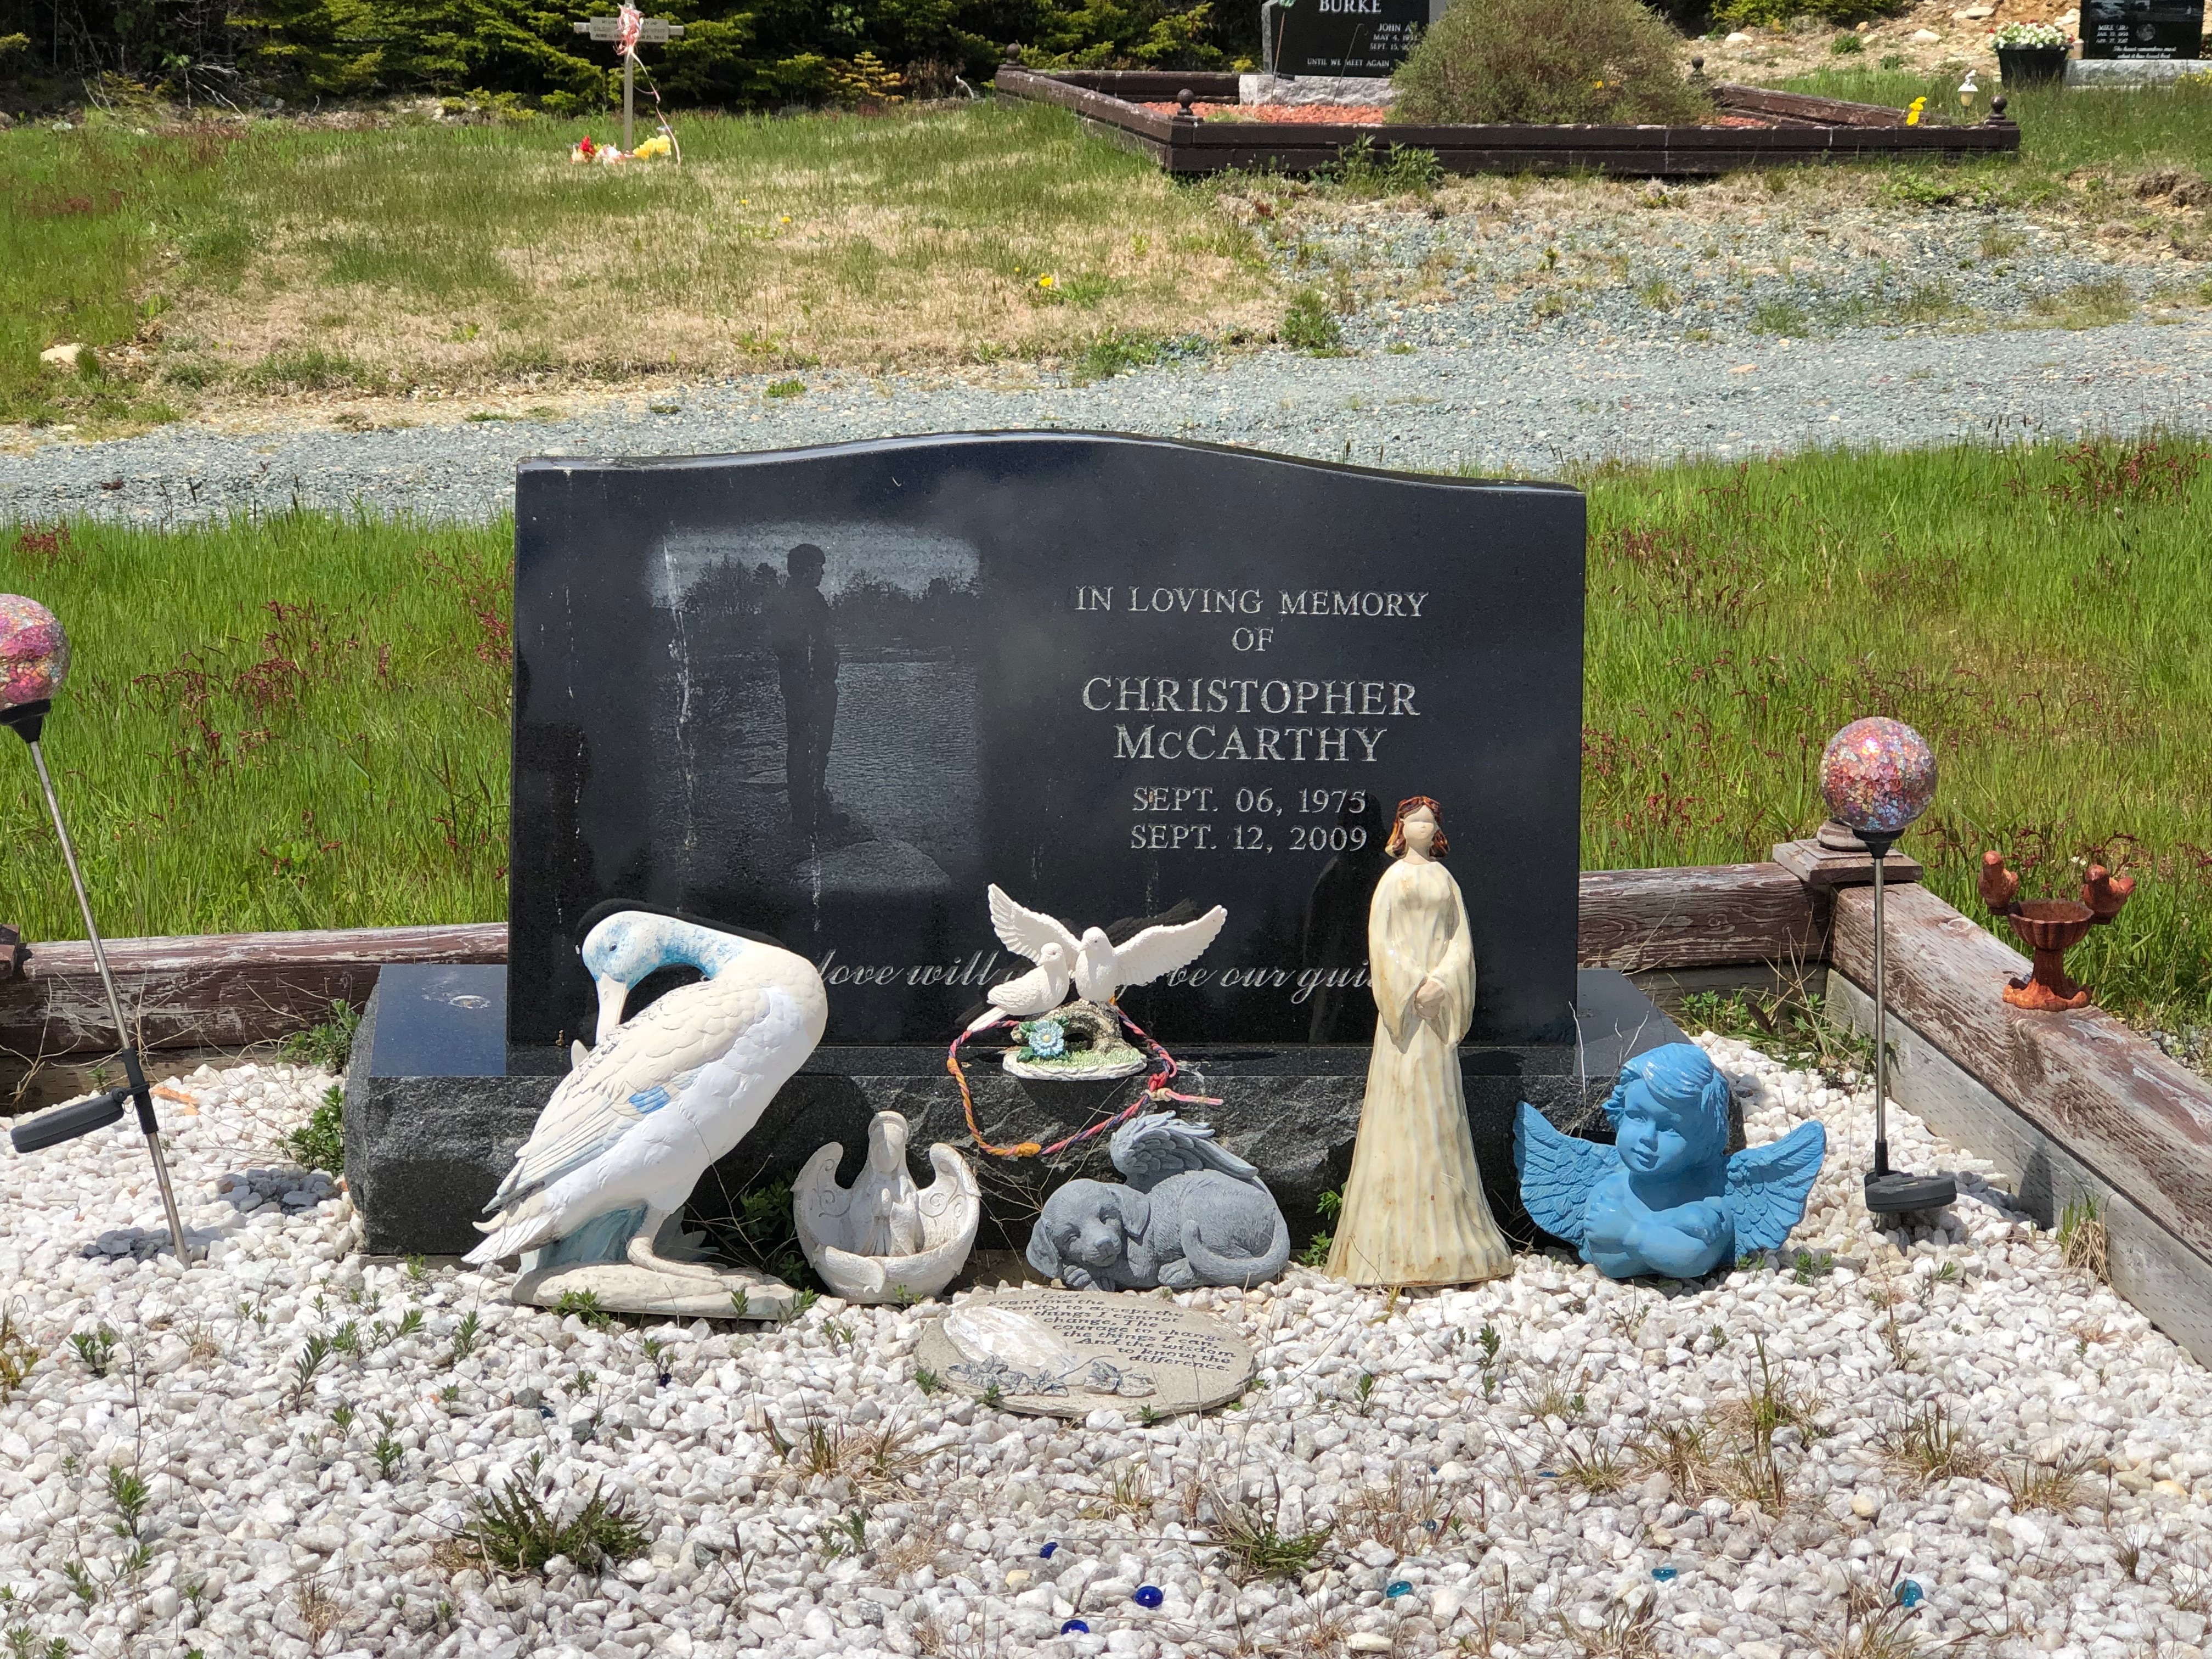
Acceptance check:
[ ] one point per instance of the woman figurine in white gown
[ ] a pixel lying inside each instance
(1414, 1211)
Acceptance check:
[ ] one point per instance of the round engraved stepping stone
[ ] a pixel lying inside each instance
(1067, 1354)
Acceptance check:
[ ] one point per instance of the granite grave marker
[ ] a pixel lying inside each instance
(2141, 28)
(829, 694)
(1358, 38)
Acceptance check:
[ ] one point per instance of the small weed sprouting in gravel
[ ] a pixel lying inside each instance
(1598, 1468)
(1878, 1624)
(1409, 1512)
(95, 1350)
(1785, 317)
(1627, 1630)
(1658, 293)
(926, 1380)
(1998, 243)
(1678, 1450)
(1935, 1447)
(1809, 1265)
(18, 1354)
(1255, 1542)
(81, 1581)
(319, 1143)
(2041, 1483)
(314, 1354)
(418, 1270)
(848, 1536)
(585, 1305)
(991, 1399)
(388, 1452)
(128, 1492)
(327, 1046)
(465, 1337)
(346, 1340)
(582, 1383)
(517, 1531)
(2084, 1242)
(792, 388)
(1310, 325)
(1845, 45)
(342, 1419)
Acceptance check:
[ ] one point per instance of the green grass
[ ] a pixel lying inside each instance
(2061, 132)
(300, 722)
(2056, 652)
(277, 258)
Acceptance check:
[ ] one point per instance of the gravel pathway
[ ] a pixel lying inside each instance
(1497, 409)
(1526, 329)
(1547, 1465)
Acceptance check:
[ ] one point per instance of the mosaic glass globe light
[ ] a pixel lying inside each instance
(34, 653)
(1877, 775)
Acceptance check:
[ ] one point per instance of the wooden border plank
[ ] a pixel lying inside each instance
(2140, 1122)
(1114, 101)
(2158, 1272)
(222, 991)
(1702, 916)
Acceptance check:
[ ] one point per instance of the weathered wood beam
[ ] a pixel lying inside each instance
(2140, 1122)
(1697, 917)
(223, 991)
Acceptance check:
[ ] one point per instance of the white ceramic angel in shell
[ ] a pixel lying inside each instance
(882, 1234)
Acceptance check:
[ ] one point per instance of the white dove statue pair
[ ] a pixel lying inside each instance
(1083, 1040)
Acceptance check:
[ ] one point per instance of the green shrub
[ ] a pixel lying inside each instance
(1310, 324)
(320, 1144)
(1549, 61)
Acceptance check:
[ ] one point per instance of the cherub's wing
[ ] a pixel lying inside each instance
(1767, 1186)
(1159, 950)
(1022, 929)
(817, 1202)
(644, 1064)
(1557, 1172)
(1151, 1148)
(955, 1183)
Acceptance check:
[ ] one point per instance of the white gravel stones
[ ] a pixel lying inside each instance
(1493, 1454)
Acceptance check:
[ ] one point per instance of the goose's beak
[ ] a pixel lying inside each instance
(612, 994)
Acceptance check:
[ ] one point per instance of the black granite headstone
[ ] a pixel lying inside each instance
(1367, 37)
(2142, 29)
(830, 694)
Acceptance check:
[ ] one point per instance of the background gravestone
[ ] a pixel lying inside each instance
(829, 694)
(2142, 29)
(1368, 37)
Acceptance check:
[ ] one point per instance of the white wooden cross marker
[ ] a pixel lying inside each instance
(650, 32)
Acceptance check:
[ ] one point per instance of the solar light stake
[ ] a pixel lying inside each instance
(49, 1128)
(1879, 845)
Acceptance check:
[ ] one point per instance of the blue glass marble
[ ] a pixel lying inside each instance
(1665, 1575)
(1665, 1198)
(1909, 1594)
(1397, 1589)
(1148, 1596)
(1047, 1551)
(1075, 1627)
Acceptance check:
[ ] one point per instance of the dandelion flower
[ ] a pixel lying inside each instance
(785, 220)
(1047, 281)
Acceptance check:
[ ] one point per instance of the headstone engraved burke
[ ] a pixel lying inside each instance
(830, 695)
(2142, 29)
(1367, 37)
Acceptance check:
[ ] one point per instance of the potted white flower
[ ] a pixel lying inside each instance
(2032, 54)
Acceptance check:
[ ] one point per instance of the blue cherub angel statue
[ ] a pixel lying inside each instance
(1665, 1198)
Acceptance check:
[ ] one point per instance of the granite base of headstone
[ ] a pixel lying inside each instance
(430, 1133)
(1335, 89)
(1068, 1353)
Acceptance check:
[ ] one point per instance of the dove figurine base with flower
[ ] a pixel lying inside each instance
(1076, 1042)
(1665, 1198)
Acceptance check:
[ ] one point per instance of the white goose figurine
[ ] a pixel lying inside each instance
(884, 1235)
(642, 1115)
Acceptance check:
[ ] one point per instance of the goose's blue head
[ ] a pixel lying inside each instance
(630, 944)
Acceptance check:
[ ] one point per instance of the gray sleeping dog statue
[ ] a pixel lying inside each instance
(1193, 1213)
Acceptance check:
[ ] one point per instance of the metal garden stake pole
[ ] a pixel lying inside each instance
(49, 1128)
(1891, 1192)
